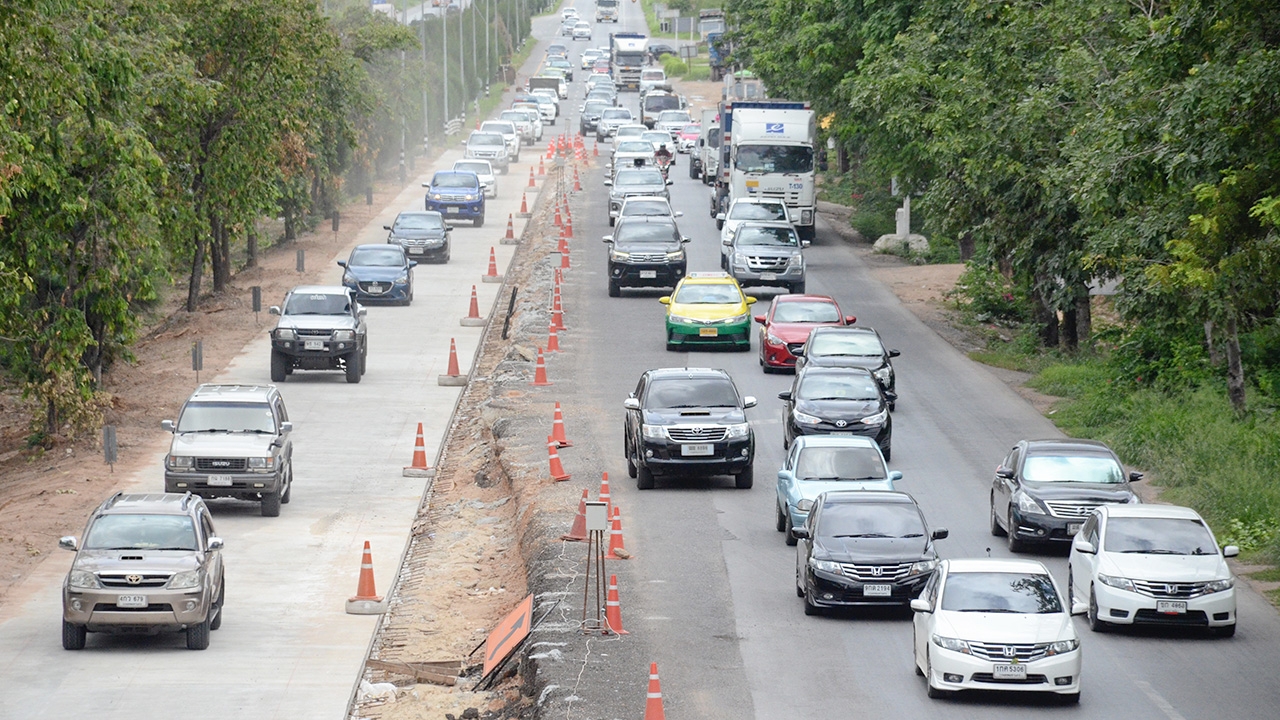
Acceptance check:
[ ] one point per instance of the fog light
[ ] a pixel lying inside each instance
(648, 453)
(1222, 616)
(181, 484)
(75, 605)
(288, 344)
(828, 596)
(1119, 613)
(952, 678)
(259, 485)
(191, 605)
(1062, 680)
(744, 452)
(341, 345)
(1040, 531)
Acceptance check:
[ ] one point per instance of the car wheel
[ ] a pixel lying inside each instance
(353, 366)
(279, 366)
(271, 504)
(612, 220)
(1071, 587)
(73, 636)
(719, 224)
(1070, 699)
(644, 478)
(198, 635)
(288, 487)
(893, 406)
(745, 479)
(671, 346)
(1225, 631)
(1096, 623)
(479, 221)
(996, 530)
(632, 470)
(809, 608)
(933, 692)
(364, 358)
(216, 622)
(693, 172)
(614, 289)
(780, 521)
(1015, 545)
(797, 288)
(791, 539)
(887, 451)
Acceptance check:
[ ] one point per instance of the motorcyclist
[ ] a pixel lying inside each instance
(662, 154)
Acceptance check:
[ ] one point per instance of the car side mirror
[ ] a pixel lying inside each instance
(166, 425)
(1084, 547)
(273, 310)
(1230, 551)
(800, 533)
(685, 240)
(921, 605)
(413, 264)
(286, 427)
(751, 300)
(670, 181)
(850, 319)
(804, 243)
(608, 182)
(631, 404)
(342, 263)
(1135, 476)
(665, 299)
(940, 534)
(784, 475)
(727, 241)
(362, 311)
(894, 353)
(215, 543)
(895, 476)
(679, 213)
(68, 542)
(427, 185)
(748, 401)
(785, 395)
(720, 216)
(448, 228)
(607, 238)
(1080, 607)
(1004, 472)
(386, 227)
(798, 352)
(759, 319)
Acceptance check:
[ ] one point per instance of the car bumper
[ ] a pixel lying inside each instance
(831, 590)
(366, 294)
(498, 162)
(457, 209)
(1130, 608)
(297, 348)
(736, 335)
(777, 356)
(241, 485)
(748, 278)
(166, 610)
(880, 433)
(1043, 528)
(428, 253)
(728, 457)
(958, 671)
(645, 275)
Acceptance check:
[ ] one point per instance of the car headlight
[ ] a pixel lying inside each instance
(739, 258)
(877, 419)
(681, 320)
(435, 196)
(180, 462)
(923, 567)
(952, 644)
(772, 339)
(736, 319)
(344, 335)
(1028, 505)
(285, 334)
(469, 196)
(185, 580)
(402, 277)
(1219, 585)
(737, 430)
(804, 418)
(804, 505)
(806, 217)
(653, 432)
(262, 463)
(829, 566)
(347, 278)
(1120, 583)
(796, 260)
(618, 255)
(884, 374)
(83, 579)
(1062, 646)
(675, 255)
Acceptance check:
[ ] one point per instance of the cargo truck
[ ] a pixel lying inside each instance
(607, 11)
(704, 161)
(766, 151)
(627, 56)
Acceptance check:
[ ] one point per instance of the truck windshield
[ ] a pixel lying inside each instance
(774, 159)
(628, 59)
(226, 417)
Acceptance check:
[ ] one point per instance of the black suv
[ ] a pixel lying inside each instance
(863, 547)
(688, 421)
(321, 328)
(1044, 490)
(645, 251)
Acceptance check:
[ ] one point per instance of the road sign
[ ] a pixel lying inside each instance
(507, 635)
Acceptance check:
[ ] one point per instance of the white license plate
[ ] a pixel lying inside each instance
(708, 332)
(699, 449)
(415, 251)
(314, 344)
(375, 288)
(1009, 672)
(131, 601)
(219, 481)
(1171, 607)
(877, 590)
(1072, 529)
(768, 276)
(648, 274)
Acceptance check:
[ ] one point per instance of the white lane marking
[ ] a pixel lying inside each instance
(1158, 700)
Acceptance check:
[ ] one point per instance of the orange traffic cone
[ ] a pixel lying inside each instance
(653, 703)
(595, 149)
(604, 495)
(551, 149)
(419, 467)
(557, 470)
(564, 259)
(367, 601)
(557, 428)
(578, 532)
(452, 377)
(542, 170)
(577, 186)
(473, 318)
(524, 201)
(562, 245)
(559, 219)
(540, 372)
(511, 231)
(557, 320)
(532, 183)
(553, 340)
(613, 609)
(492, 275)
(615, 538)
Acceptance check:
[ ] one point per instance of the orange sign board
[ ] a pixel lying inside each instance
(507, 635)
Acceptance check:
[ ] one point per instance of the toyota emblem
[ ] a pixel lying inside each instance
(133, 579)
(841, 423)
(697, 431)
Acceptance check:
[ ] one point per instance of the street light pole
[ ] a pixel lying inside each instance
(426, 125)
(475, 64)
(444, 38)
(462, 64)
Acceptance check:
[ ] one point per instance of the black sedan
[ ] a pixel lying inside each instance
(423, 234)
(851, 347)
(379, 273)
(863, 547)
(837, 401)
(658, 50)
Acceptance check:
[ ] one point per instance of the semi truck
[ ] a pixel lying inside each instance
(607, 11)
(627, 55)
(711, 28)
(766, 151)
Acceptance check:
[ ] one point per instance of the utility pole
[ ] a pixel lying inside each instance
(475, 64)
(426, 125)
(462, 63)
(402, 118)
(444, 43)
(488, 32)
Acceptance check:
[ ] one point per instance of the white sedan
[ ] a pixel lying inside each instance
(1152, 564)
(743, 209)
(985, 624)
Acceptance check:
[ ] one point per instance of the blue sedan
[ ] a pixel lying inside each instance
(379, 274)
(817, 463)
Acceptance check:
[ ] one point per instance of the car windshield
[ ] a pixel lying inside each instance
(645, 177)
(504, 128)
(869, 520)
(317, 304)
(757, 235)
(708, 294)
(861, 344)
(634, 233)
(226, 417)
(1159, 536)
(142, 531)
(635, 146)
(838, 387)
(617, 114)
(840, 463)
(486, 138)
(774, 159)
(419, 221)
(757, 211)
(630, 132)
(691, 393)
(691, 131)
(658, 103)
(594, 107)
(673, 116)
(657, 138)
(806, 312)
(456, 180)
(646, 207)
(653, 75)
(1083, 468)
(475, 167)
(1000, 592)
(390, 256)
(514, 116)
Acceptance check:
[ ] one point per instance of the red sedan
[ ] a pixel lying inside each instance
(787, 325)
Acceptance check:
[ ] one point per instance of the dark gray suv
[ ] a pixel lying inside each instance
(321, 327)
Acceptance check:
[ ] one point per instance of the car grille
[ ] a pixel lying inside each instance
(793, 347)
(648, 257)
(112, 607)
(1029, 680)
(309, 332)
(790, 198)
(121, 580)
(419, 242)
(221, 464)
(1006, 652)
(1153, 588)
(375, 288)
(767, 264)
(1071, 508)
(875, 573)
(696, 433)
(1194, 618)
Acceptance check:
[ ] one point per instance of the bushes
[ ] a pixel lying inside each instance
(989, 296)
(674, 66)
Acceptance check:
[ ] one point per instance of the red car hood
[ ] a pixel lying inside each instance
(795, 332)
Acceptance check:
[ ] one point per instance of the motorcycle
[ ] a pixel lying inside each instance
(664, 163)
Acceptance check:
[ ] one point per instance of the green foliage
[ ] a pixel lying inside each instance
(674, 66)
(988, 296)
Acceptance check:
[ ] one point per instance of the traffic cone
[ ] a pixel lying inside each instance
(653, 703)
(562, 245)
(532, 183)
(524, 201)
(557, 470)
(615, 539)
(492, 275)
(540, 372)
(367, 601)
(453, 376)
(557, 425)
(472, 319)
(578, 532)
(604, 495)
(553, 342)
(557, 320)
(577, 186)
(559, 220)
(419, 467)
(564, 259)
(595, 149)
(568, 223)
(613, 610)
(511, 230)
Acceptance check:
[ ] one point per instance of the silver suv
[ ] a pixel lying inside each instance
(232, 441)
(321, 327)
(150, 563)
(491, 146)
(765, 252)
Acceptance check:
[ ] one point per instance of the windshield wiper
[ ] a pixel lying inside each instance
(1155, 552)
(991, 610)
(911, 535)
(681, 407)
(864, 535)
(209, 430)
(830, 397)
(843, 479)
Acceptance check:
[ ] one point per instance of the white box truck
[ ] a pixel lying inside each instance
(767, 151)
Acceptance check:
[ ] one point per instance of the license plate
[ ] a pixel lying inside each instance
(375, 288)
(708, 332)
(1072, 529)
(131, 601)
(1009, 672)
(648, 274)
(453, 210)
(1171, 607)
(877, 590)
(768, 276)
(219, 481)
(314, 345)
(699, 449)
(415, 251)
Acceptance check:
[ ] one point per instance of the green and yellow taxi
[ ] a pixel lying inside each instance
(708, 308)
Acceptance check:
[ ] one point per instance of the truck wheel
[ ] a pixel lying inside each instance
(271, 504)
(798, 288)
(614, 289)
(279, 366)
(353, 366)
(693, 171)
(745, 479)
(73, 636)
(288, 486)
(644, 478)
(479, 222)
(198, 636)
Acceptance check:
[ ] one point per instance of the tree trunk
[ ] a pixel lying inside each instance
(220, 254)
(967, 246)
(290, 233)
(251, 246)
(197, 271)
(1084, 319)
(1215, 354)
(1048, 319)
(1235, 368)
(1070, 340)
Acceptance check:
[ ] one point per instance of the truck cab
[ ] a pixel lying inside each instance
(767, 152)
